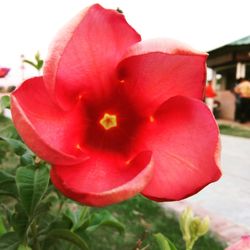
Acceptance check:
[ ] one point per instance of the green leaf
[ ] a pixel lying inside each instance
(77, 217)
(163, 242)
(39, 64)
(30, 63)
(104, 218)
(5, 176)
(9, 190)
(18, 147)
(4, 102)
(42, 208)
(2, 226)
(32, 183)
(58, 223)
(20, 221)
(69, 236)
(9, 241)
(27, 159)
(22, 247)
(7, 128)
(7, 184)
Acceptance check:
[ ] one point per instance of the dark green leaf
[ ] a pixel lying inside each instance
(32, 183)
(2, 226)
(8, 192)
(163, 242)
(104, 218)
(27, 159)
(9, 241)
(77, 216)
(7, 184)
(22, 247)
(39, 64)
(42, 208)
(5, 176)
(69, 236)
(7, 128)
(46, 223)
(59, 224)
(20, 221)
(18, 147)
(4, 102)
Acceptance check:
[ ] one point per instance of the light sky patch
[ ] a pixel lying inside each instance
(30, 25)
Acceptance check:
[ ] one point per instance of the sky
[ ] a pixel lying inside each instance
(27, 26)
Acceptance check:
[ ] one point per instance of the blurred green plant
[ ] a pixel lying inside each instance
(37, 63)
(234, 130)
(4, 103)
(163, 242)
(192, 227)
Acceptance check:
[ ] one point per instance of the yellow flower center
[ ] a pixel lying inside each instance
(108, 121)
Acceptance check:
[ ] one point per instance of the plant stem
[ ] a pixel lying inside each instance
(36, 245)
(190, 245)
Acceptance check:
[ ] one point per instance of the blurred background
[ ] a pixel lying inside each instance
(28, 26)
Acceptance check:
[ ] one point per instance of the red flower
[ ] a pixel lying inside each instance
(243, 244)
(4, 72)
(115, 116)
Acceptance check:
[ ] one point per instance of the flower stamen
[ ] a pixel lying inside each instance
(108, 121)
(80, 97)
(127, 162)
(151, 118)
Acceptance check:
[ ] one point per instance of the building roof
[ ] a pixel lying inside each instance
(231, 53)
(242, 41)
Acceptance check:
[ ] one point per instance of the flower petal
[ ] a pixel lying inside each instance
(104, 180)
(184, 139)
(84, 55)
(4, 72)
(243, 244)
(43, 126)
(156, 70)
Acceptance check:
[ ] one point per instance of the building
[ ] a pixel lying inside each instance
(229, 63)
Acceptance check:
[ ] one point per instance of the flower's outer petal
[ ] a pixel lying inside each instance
(184, 139)
(243, 244)
(50, 132)
(84, 55)
(155, 70)
(104, 180)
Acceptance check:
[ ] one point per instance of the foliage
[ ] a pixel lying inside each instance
(37, 63)
(234, 130)
(163, 242)
(143, 219)
(4, 103)
(192, 227)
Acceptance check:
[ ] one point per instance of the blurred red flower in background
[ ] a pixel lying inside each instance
(115, 116)
(243, 244)
(4, 72)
